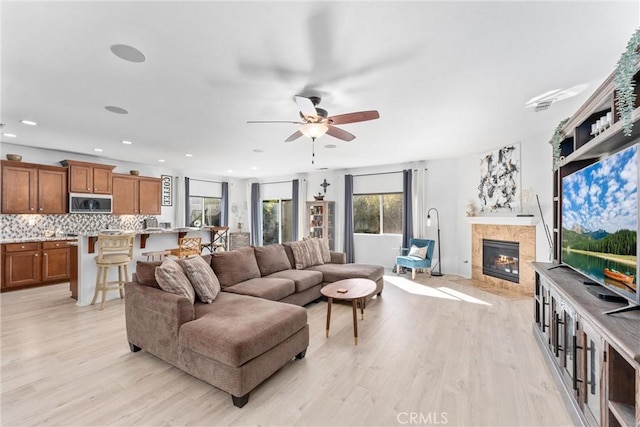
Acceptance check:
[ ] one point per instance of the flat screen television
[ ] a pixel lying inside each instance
(600, 223)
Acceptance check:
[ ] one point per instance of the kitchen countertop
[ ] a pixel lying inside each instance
(95, 234)
(38, 239)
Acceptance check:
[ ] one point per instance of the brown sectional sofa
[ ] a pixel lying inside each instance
(246, 334)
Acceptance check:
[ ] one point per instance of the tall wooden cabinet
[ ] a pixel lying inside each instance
(133, 195)
(321, 217)
(29, 188)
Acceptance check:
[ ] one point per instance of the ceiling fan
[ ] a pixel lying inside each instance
(315, 121)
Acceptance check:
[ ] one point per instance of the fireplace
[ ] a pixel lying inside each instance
(500, 259)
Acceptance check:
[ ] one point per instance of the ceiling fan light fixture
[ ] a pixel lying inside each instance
(313, 130)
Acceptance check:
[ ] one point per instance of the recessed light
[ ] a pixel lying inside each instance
(255, 168)
(9, 135)
(257, 150)
(128, 53)
(161, 160)
(229, 171)
(189, 155)
(28, 122)
(330, 146)
(99, 150)
(117, 110)
(124, 141)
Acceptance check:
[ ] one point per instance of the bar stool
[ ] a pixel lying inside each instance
(114, 250)
(187, 246)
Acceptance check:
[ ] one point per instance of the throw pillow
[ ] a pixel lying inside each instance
(301, 254)
(315, 254)
(418, 252)
(202, 278)
(324, 249)
(172, 279)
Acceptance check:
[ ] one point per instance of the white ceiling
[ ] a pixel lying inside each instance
(448, 78)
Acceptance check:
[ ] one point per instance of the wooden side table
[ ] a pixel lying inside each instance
(354, 290)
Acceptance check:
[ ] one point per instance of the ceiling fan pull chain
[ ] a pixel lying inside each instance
(313, 151)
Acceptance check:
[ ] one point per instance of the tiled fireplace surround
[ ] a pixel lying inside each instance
(525, 235)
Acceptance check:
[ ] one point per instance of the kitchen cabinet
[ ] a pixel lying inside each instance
(35, 263)
(29, 188)
(134, 195)
(85, 177)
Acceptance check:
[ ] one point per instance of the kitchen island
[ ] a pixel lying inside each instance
(145, 241)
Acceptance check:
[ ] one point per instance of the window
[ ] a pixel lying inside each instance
(277, 221)
(377, 213)
(204, 211)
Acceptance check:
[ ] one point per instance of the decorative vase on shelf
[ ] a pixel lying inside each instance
(320, 196)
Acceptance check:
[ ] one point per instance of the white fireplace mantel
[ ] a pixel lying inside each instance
(504, 220)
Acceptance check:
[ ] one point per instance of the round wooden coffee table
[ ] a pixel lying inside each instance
(354, 290)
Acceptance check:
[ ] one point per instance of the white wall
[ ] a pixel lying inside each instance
(536, 174)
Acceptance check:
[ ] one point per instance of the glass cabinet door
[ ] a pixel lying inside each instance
(593, 349)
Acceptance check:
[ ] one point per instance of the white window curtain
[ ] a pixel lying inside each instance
(419, 186)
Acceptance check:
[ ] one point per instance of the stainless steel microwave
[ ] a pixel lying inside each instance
(90, 203)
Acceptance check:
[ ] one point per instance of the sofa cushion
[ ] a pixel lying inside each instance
(271, 259)
(263, 287)
(235, 328)
(235, 266)
(303, 279)
(171, 278)
(202, 278)
(146, 273)
(334, 272)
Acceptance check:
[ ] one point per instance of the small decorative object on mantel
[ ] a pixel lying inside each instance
(471, 209)
(320, 196)
(527, 197)
(134, 172)
(14, 157)
(624, 83)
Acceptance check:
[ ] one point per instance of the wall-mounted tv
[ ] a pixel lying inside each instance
(600, 223)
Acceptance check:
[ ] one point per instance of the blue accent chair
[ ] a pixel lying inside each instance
(414, 262)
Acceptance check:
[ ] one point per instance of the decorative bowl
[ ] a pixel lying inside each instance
(319, 197)
(14, 157)
(134, 172)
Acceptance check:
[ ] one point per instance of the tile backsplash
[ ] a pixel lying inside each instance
(24, 226)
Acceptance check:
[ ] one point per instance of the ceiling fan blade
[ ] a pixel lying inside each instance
(360, 116)
(306, 106)
(297, 134)
(340, 134)
(274, 121)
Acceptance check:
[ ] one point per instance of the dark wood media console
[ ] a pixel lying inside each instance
(595, 356)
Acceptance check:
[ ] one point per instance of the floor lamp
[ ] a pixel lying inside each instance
(439, 272)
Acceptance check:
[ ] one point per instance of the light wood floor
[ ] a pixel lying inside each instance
(441, 354)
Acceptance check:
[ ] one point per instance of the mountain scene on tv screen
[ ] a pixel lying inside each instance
(600, 220)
